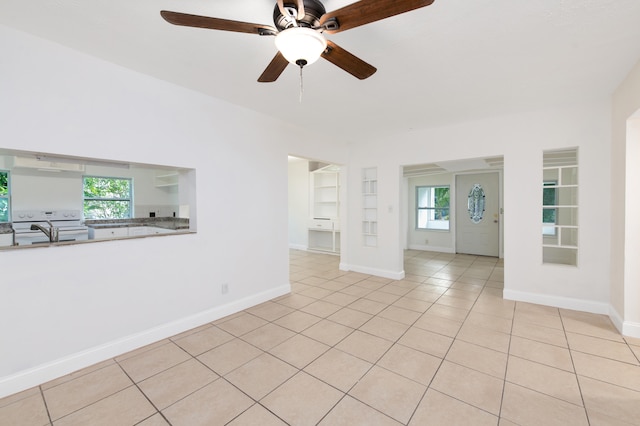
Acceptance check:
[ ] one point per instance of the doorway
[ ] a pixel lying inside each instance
(315, 195)
(478, 214)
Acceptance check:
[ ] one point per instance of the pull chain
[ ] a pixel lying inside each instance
(301, 86)
(301, 63)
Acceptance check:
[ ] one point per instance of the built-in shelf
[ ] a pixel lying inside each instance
(168, 179)
(370, 207)
(560, 207)
(324, 223)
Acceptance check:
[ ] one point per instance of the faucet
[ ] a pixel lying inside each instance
(51, 233)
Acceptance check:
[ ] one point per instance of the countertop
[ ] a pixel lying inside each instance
(160, 222)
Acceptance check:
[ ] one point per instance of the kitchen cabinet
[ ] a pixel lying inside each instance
(126, 231)
(6, 240)
(135, 231)
(103, 233)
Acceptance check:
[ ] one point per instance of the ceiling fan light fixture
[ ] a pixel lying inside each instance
(300, 45)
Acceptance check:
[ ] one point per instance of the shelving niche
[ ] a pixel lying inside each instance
(166, 179)
(324, 223)
(560, 207)
(370, 207)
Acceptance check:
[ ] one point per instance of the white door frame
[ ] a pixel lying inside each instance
(454, 211)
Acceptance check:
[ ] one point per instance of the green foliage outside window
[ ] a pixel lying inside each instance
(432, 207)
(107, 198)
(4, 196)
(441, 205)
(549, 199)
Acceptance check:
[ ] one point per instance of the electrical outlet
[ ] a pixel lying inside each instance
(225, 288)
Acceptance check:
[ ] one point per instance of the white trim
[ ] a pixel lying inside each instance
(392, 275)
(297, 247)
(617, 320)
(558, 301)
(631, 329)
(43, 373)
(626, 328)
(423, 247)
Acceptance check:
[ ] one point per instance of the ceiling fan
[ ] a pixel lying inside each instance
(299, 29)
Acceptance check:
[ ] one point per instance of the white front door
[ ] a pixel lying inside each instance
(477, 214)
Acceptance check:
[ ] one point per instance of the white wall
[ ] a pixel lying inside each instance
(299, 204)
(625, 235)
(520, 139)
(66, 307)
(631, 325)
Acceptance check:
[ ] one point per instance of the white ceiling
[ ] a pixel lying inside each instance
(455, 60)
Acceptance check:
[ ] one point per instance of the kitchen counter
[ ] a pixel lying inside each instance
(172, 223)
(127, 228)
(104, 230)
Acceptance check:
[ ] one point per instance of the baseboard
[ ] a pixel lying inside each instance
(616, 318)
(431, 248)
(298, 247)
(631, 329)
(43, 373)
(392, 275)
(558, 301)
(626, 328)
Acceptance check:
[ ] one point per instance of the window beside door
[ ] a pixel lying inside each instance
(4, 196)
(432, 207)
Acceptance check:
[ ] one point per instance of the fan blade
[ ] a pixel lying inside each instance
(366, 11)
(274, 69)
(299, 8)
(281, 7)
(197, 21)
(348, 62)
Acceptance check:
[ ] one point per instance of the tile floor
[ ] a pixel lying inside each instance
(440, 347)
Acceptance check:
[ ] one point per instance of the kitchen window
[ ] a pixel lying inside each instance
(432, 207)
(4, 196)
(107, 197)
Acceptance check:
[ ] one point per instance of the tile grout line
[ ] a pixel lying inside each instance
(575, 371)
(506, 367)
(374, 364)
(46, 406)
(445, 356)
(345, 394)
(144, 394)
(454, 339)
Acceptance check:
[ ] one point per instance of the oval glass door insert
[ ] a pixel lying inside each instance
(476, 203)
